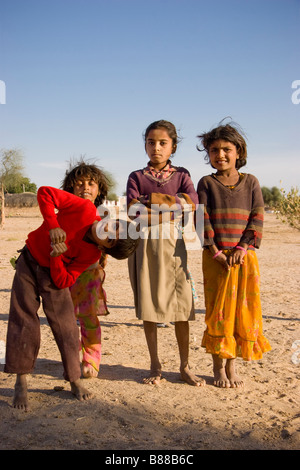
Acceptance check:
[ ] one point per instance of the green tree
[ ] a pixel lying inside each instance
(11, 167)
(272, 197)
(12, 177)
(12, 172)
(23, 185)
(111, 196)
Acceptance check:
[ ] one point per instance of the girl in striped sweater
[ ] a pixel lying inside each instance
(233, 222)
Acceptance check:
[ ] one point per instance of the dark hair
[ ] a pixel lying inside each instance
(124, 246)
(84, 170)
(169, 127)
(229, 133)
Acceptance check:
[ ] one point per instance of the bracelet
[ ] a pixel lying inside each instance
(217, 254)
(241, 248)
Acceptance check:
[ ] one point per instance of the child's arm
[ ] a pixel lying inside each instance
(65, 275)
(188, 190)
(204, 200)
(161, 207)
(253, 233)
(219, 256)
(186, 197)
(209, 232)
(49, 200)
(52, 200)
(158, 207)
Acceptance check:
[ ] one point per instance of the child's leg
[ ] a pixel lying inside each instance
(225, 375)
(220, 376)
(20, 396)
(90, 344)
(89, 300)
(80, 392)
(150, 330)
(59, 309)
(23, 332)
(235, 381)
(182, 335)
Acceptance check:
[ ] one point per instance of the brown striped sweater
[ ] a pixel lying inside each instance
(230, 213)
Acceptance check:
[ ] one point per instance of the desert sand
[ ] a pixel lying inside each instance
(129, 415)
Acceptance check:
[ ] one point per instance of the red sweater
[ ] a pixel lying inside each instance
(74, 215)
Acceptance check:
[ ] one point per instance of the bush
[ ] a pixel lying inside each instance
(288, 209)
(272, 197)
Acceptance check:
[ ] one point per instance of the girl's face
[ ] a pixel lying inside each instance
(159, 147)
(105, 233)
(86, 188)
(223, 156)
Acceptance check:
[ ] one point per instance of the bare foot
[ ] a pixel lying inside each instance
(154, 377)
(221, 379)
(20, 400)
(190, 378)
(88, 371)
(235, 381)
(80, 392)
(220, 376)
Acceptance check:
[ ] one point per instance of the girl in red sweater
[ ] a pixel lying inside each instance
(89, 182)
(55, 254)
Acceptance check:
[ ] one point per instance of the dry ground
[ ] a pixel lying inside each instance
(128, 415)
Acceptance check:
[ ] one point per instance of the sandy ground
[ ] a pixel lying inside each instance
(128, 415)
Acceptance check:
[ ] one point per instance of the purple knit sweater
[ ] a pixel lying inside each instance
(141, 184)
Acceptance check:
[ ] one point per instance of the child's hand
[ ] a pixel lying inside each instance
(237, 257)
(222, 258)
(143, 199)
(57, 235)
(224, 261)
(58, 249)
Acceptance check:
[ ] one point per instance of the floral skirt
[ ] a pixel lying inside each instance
(88, 295)
(89, 299)
(233, 309)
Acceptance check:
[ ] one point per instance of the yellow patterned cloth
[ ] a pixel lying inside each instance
(233, 309)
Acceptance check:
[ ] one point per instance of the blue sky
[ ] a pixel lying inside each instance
(86, 77)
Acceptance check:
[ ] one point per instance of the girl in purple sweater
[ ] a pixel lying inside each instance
(158, 269)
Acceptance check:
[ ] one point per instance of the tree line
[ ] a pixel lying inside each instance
(13, 180)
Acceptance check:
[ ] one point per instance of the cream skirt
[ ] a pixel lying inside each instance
(159, 277)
